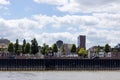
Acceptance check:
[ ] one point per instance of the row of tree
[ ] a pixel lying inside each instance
(25, 48)
(46, 49)
(106, 48)
(33, 48)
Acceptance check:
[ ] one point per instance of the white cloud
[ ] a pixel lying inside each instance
(18, 28)
(72, 29)
(84, 6)
(4, 2)
(87, 6)
(53, 2)
(51, 38)
(4, 7)
(99, 28)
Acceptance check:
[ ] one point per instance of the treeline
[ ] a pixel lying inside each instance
(33, 48)
(25, 48)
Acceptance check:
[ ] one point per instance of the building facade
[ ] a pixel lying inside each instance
(59, 44)
(92, 53)
(82, 41)
(67, 48)
(4, 45)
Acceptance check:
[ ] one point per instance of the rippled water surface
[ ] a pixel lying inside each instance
(61, 75)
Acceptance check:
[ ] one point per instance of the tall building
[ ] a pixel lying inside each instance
(59, 43)
(82, 41)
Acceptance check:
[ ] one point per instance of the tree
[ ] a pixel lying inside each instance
(23, 46)
(16, 46)
(27, 48)
(107, 48)
(11, 47)
(55, 49)
(98, 49)
(34, 46)
(73, 49)
(63, 49)
(51, 51)
(82, 52)
(45, 49)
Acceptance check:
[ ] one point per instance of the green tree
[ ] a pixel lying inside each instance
(27, 48)
(11, 47)
(45, 49)
(55, 49)
(73, 49)
(50, 50)
(107, 48)
(34, 46)
(16, 46)
(23, 46)
(98, 49)
(82, 52)
(63, 49)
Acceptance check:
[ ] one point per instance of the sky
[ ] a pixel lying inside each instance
(52, 20)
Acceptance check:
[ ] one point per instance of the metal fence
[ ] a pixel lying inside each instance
(59, 64)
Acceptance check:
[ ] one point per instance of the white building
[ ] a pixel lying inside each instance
(4, 45)
(68, 48)
(92, 53)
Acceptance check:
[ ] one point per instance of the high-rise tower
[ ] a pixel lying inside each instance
(82, 41)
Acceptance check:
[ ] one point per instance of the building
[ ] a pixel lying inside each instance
(4, 45)
(82, 41)
(67, 48)
(92, 52)
(59, 44)
(116, 52)
(117, 46)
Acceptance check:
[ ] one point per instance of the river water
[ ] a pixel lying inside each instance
(60, 75)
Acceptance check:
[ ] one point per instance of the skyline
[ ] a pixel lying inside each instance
(52, 20)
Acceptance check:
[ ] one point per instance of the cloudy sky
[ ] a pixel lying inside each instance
(51, 20)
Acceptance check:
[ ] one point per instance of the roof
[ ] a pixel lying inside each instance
(5, 41)
(95, 47)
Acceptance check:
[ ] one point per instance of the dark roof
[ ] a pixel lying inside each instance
(118, 49)
(59, 43)
(5, 41)
(117, 46)
(101, 47)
